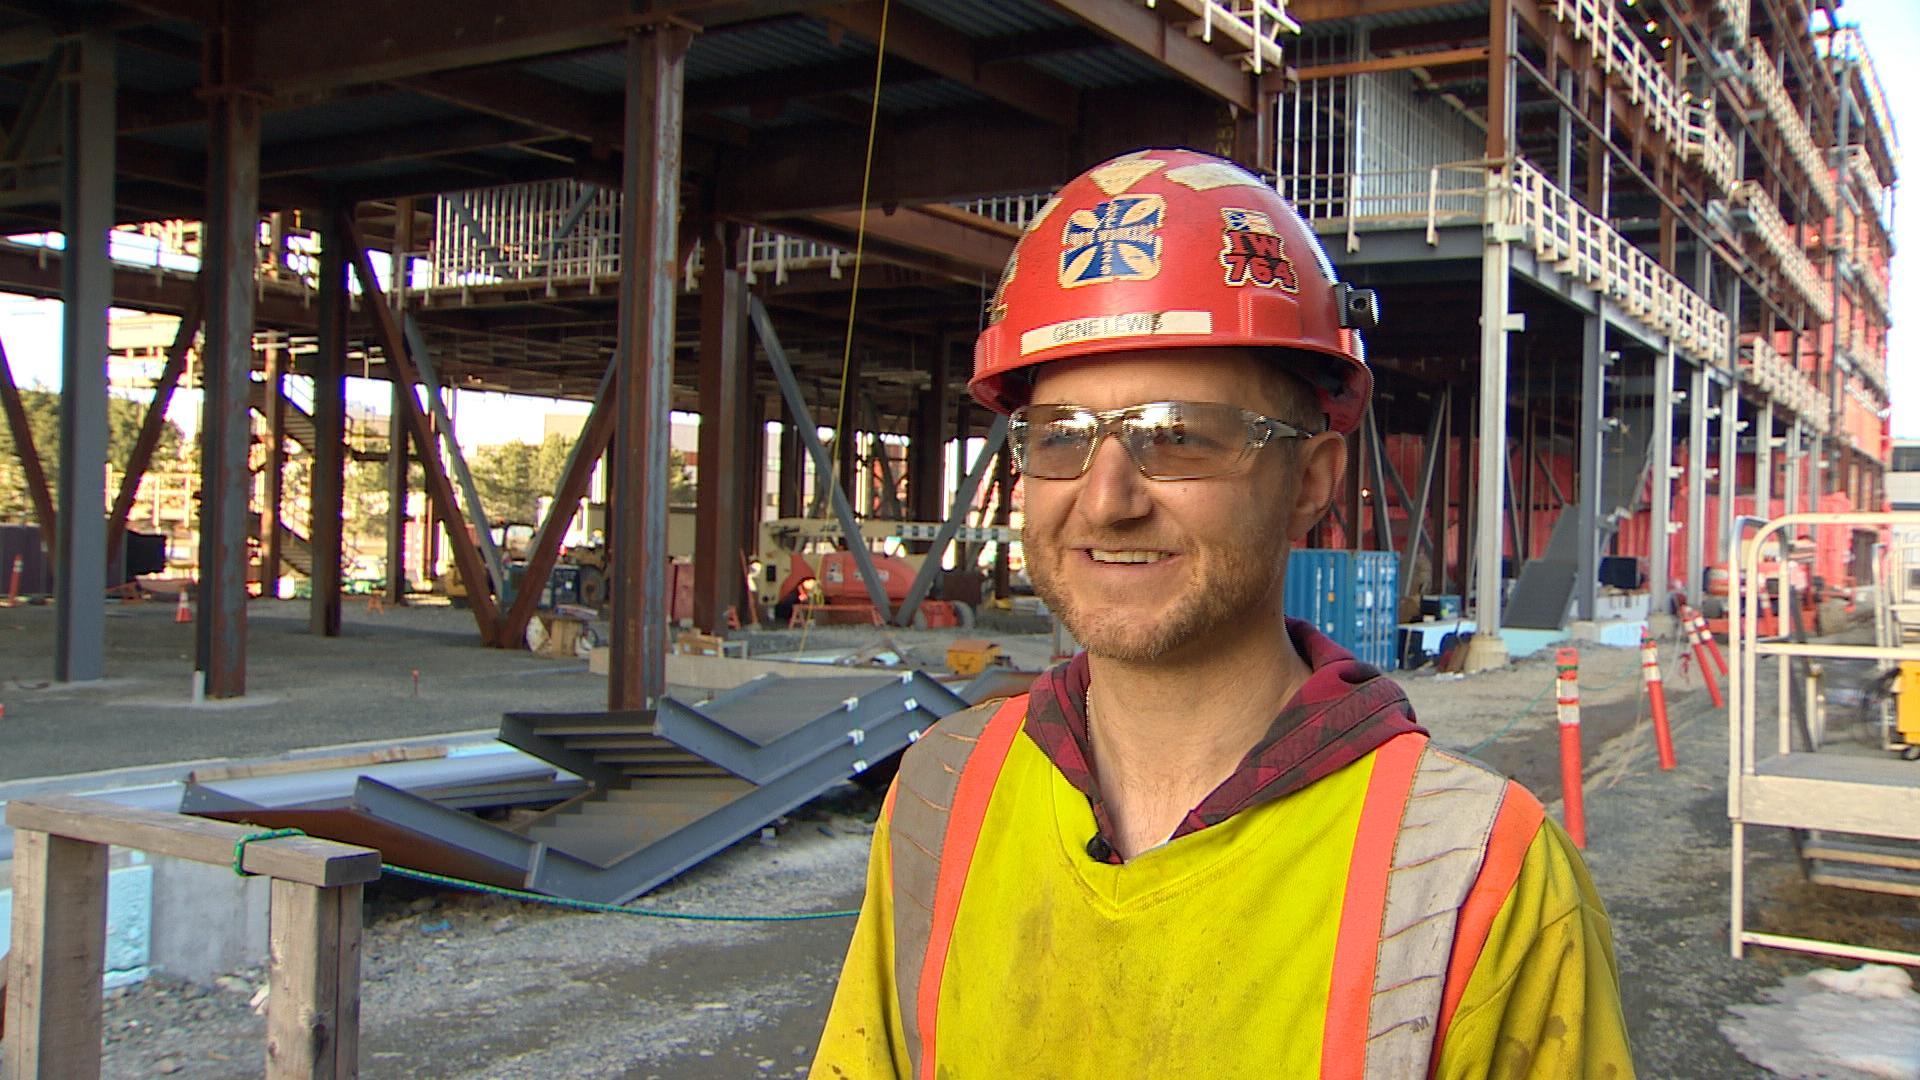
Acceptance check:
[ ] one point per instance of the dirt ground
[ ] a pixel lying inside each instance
(458, 985)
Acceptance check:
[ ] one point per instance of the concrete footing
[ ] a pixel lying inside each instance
(1485, 652)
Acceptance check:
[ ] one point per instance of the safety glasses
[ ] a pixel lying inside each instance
(1167, 440)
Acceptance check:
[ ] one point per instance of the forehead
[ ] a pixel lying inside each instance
(1114, 380)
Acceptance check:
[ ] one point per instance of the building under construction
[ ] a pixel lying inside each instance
(1631, 256)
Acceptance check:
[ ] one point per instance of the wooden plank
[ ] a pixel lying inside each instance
(383, 756)
(295, 858)
(313, 982)
(59, 951)
(1904, 857)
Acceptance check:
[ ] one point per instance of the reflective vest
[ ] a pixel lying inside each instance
(1439, 846)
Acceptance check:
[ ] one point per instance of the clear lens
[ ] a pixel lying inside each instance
(1166, 440)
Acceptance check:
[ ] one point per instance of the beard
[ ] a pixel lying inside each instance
(1225, 588)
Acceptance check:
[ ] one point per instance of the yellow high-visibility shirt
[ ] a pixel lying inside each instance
(1210, 956)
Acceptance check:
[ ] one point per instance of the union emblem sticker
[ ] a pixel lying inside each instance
(1254, 253)
(1115, 240)
(997, 306)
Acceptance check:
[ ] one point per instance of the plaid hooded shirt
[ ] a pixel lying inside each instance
(1343, 711)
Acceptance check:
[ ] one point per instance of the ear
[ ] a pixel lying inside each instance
(1323, 463)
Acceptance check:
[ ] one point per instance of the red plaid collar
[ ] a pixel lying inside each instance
(1341, 713)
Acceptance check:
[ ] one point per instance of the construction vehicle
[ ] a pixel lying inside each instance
(802, 565)
(1897, 605)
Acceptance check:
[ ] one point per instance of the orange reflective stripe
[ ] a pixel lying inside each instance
(964, 818)
(1343, 1048)
(1513, 833)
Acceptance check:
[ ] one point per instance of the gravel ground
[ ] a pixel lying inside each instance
(468, 986)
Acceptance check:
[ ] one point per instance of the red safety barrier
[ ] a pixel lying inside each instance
(1657, 694)
(1701, 658)
(1567, 663)
(1713, 647)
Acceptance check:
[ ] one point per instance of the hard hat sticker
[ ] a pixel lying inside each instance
(997, 307)
(1253, 252)
(1101, 327)
(1213, 174)
(1117, 176)
(1116, 240)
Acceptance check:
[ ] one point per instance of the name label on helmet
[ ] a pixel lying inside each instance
(1099, 327)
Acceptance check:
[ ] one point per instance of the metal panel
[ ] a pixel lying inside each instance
(1351, 596)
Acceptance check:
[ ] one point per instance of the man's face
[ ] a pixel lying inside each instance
(1143, 570)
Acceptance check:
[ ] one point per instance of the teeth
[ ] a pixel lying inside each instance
(1126, 556)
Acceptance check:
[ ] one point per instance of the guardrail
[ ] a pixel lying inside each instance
(1780, 107)
(1766, 369)
(1777, 238)
(53, 1012)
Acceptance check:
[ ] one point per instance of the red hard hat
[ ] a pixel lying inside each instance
(1170, 249)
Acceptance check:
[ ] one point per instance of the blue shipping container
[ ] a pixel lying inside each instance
(1352, 596)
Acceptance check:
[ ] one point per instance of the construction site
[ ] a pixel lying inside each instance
(496, 486)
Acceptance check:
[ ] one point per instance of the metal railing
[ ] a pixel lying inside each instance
(1254, 25)
(1767, 370)
(1707, 143)
(1621, 56)
(1776, 236)
(1780, 107)
(1737, 13)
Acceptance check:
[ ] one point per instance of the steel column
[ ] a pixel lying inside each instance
(718, 509)
(398, 473)
(1592, 403)
(270, 522)
(1697, 393)
(1002, 516)
(442, 425)
(29, 454)
(226, 427)
(1496, 280)
(1417, 511)
(327, 487)
(86, 278)
(1661, 494)
(643, 388)
(793, 466)
(1763, 462)
(152, 426)
(1729, 466)
(927, 440)
(1796, 464)
(969, 488)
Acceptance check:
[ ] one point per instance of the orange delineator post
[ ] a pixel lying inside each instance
(1701, 658)
(182, 611)
(1567, 663)
(1657, 694)
(13, 578)
(1706, 636)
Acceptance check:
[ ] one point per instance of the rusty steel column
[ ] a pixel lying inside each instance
(718, 510)
(397, 477)
(327, 487)
(86, 278)
(650, 211)
(228, 266)
(270, 516)
(927, 442)
(793, 468)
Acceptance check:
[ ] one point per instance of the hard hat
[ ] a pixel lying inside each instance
(1171, 249)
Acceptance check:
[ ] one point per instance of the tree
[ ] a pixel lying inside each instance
(43, 419)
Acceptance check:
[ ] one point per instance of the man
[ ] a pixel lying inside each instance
(1213, 844)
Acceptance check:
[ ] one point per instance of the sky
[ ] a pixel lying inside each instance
(30, 329)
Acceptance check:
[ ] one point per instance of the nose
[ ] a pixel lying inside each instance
(1114, 492)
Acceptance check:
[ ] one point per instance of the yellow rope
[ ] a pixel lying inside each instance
(860, 239)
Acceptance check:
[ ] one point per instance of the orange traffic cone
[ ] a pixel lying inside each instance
(183, 611)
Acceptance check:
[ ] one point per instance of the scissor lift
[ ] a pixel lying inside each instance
(1859, 813)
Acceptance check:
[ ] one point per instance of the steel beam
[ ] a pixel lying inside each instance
(655, 93)
(226, 426)
(29, 455)
(386, 325)
(1144, 31)
(443, 424)
(1698, 390)
(822, 461)
(969, 487)
(723, 366)
(595, 435)
(400, 393)
(152, 426)
(1660, 496)
(1417, 525)
(327, 487)
(1592, 407)
(276, 464)
(933, 45)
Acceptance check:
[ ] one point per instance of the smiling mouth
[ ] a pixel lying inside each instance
(1102, 555)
